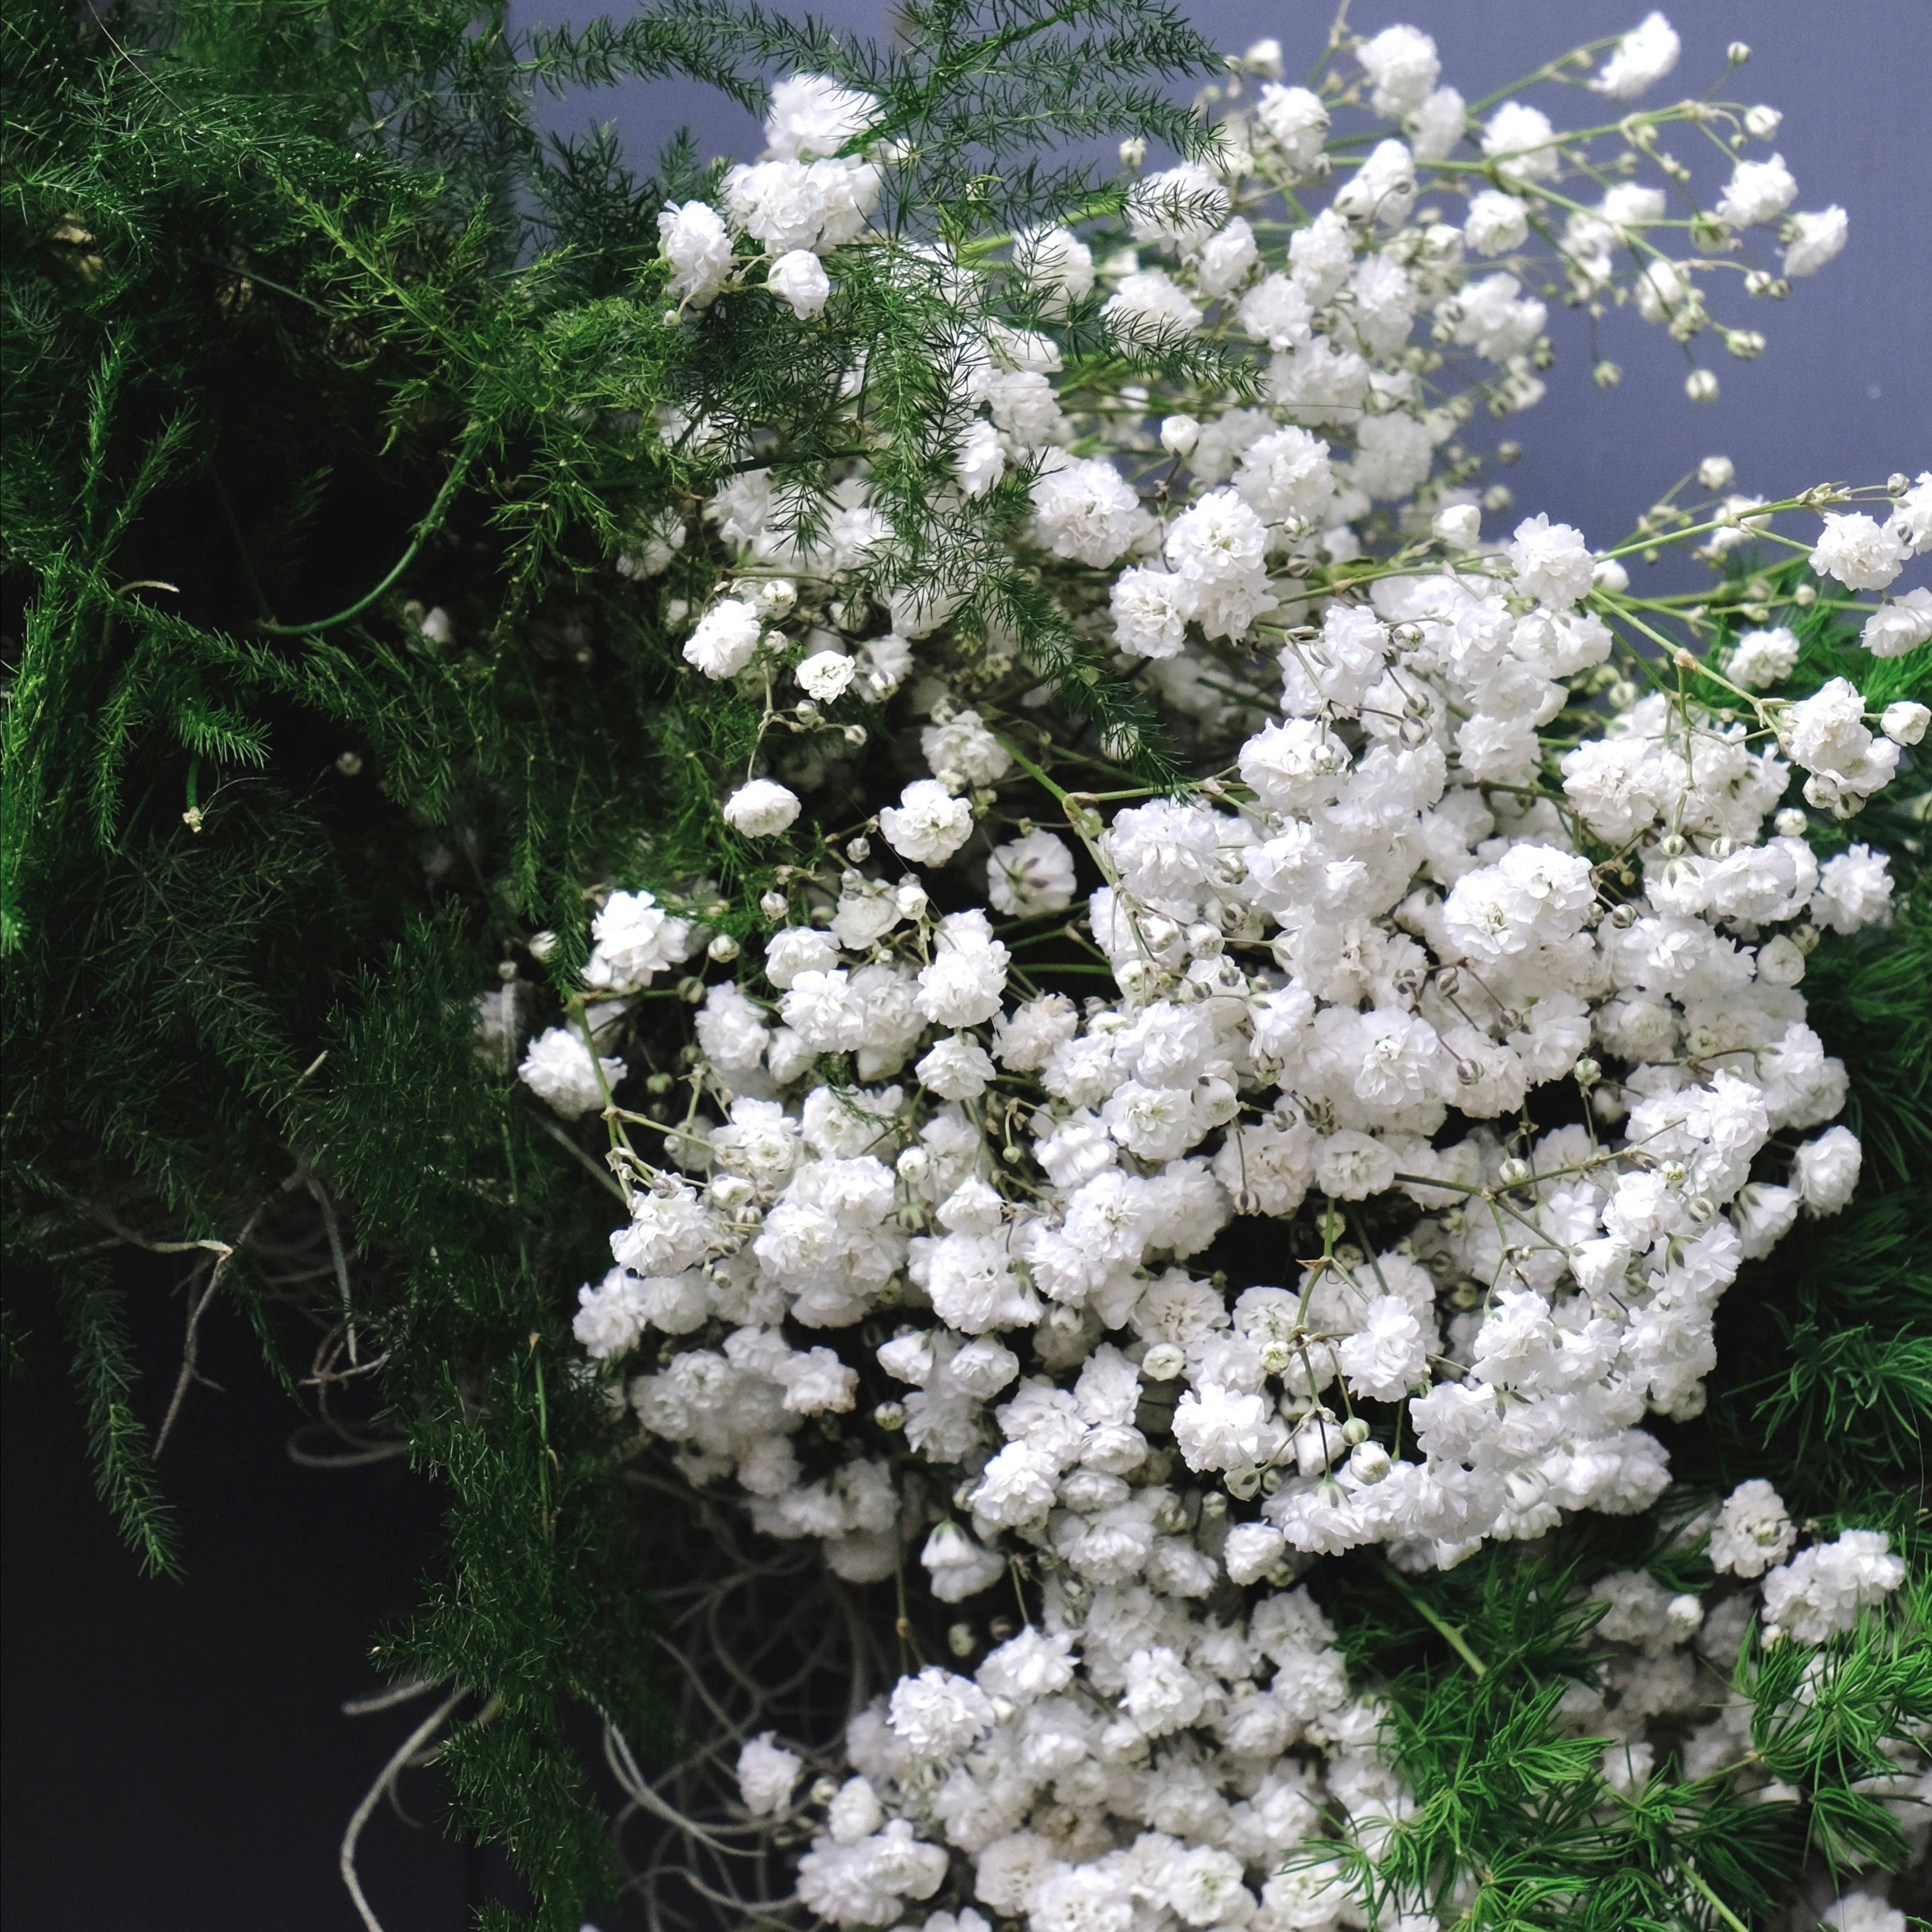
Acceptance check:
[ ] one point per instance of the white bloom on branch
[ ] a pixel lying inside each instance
(761, 809)
(929, 824)
(726, 638)
(799, 278)
(1639, 60)
(558, 1069)
(695, 242)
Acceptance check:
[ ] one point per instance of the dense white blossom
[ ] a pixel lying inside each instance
(760, 808)
(960, 1292)
(1821, 1591)
(1639, 60)
(560, 1070)
(725, 639)
(812, 117)
(799, 278)
(1752, 1532)
(695, 243)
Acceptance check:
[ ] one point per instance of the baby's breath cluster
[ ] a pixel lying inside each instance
(1092, 1203)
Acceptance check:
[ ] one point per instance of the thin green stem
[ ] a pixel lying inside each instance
(1448, 1632)
(423, 530)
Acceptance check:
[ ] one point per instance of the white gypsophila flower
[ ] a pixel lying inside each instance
(1495, 224)
(812, 117)
(982, 460)
(1148, 619)
(558, 1070)
(1087, 511)
(1030, 875)
(761, 808)
(1862, 554)
(937, 1713)
(827, 675)
(1904, 721)
(1436, 126)
(1862, 1911)
(633, 939)
(1295, 120)
(1057, 263)
(928, 825)
(1854, 889)
(1217, 551)
(962, 751)
(956, 1068)
(1815, 239)
(799, 278)
(1520, 141)
(725, 640)
(1383, 189)
(1183, 205)
(1826, 1170)
(1226, 260)
(1403, 64)
(1553, 564)
(787, 204)
(692, 238)
(1148, 306)
(767, 1773)
(1285, 477)
(1639, 60)
(1493, 317)
(1758, 191)
(1900, 626)
(1911, 521)
(1763, 658)
(1826, 731)
(1276, 312)
(1819, 1593)
(1753, 1530)
(609, 1317)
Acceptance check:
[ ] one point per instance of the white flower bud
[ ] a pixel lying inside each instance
(799, 277)
(1162, 1362)
(1904, 722)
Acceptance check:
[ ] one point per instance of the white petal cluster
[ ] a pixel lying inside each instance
(1639, 60)
(1336, 980)
(944, 1265)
